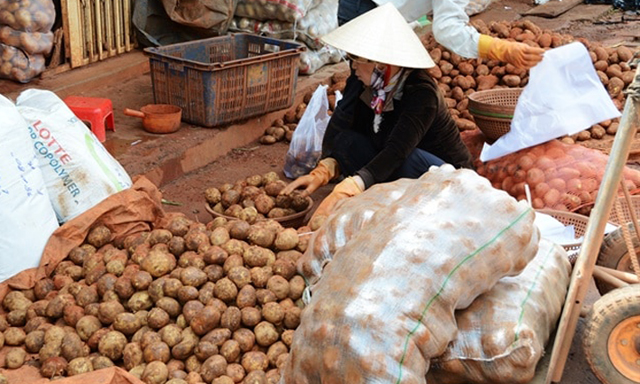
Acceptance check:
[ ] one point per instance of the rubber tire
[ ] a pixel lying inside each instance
(612, 250)
(606, 313)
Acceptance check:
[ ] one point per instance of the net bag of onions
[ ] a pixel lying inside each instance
(383, 305)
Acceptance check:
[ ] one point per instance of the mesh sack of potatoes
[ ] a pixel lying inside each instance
(283, 10)
(367, 319)
(28, 15)
(311, 61)
(317, 22)
(30, 42)
(560, 176)
(502, 335)
(17, 65)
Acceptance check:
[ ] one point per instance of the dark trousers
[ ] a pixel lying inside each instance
(353, 151)
(350, 9)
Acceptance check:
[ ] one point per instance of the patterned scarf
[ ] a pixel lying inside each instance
(381, 91)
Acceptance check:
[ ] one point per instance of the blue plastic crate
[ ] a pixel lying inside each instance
(224, 79)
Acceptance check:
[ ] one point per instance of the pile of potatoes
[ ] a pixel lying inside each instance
(459, 77)
(282, 129)
(255, 198)
(25, 37)
(185, 304)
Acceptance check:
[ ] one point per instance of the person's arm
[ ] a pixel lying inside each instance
(417, 117)
(451, 28)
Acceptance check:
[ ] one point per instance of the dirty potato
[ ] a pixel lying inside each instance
(156, 372)
(205, 320)
(112, 345)
(53, 366)
(79, 365)
(255, 361)
(87, 326)
(15, 358)
(266, 334)
(250, 316)
(213, 367)
(99, 236)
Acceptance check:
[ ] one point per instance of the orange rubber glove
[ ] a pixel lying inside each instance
(325, 171)
(517, 54)
(348, 187)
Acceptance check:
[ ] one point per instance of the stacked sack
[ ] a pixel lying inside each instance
(386, 282)
(25, 37)
(502, 335)
(303, 20)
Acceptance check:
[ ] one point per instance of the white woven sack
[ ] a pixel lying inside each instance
(78, 170)
(27, 218)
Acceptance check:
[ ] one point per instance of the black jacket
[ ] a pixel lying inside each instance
(420, 119)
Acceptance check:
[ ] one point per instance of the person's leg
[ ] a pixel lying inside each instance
(350, 9)
(416, 165)
(352, 151)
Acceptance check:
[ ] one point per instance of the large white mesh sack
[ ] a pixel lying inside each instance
(78, 170)
(27, 218)
(384, 304)
(502, 335)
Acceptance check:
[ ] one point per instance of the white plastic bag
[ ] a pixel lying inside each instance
(564, 96)
(78, 170)
(27, 218)
(306, 144)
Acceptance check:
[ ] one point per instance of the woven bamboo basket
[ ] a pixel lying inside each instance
(296, 220)
(492, 110)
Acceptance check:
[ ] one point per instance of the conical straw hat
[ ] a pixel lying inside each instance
(381, 35)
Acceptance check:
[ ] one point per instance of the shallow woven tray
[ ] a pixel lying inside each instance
(296, 220)
(493, 109)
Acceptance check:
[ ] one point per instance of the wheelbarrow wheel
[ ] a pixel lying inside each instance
(615, 255)
(612, 336)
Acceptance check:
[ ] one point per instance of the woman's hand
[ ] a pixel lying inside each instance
(349, 187)
(326, 170)
(309, 182)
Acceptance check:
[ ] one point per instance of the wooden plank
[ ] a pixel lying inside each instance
(102, 37)
(119, 28)
(552, 8)
(89, 29)
(108, 28)
(64, 11)
(126, 10)
(72, 9)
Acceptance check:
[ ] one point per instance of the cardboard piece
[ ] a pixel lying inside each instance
(113, 375)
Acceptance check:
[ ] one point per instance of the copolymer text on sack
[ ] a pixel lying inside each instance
(53, 152)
